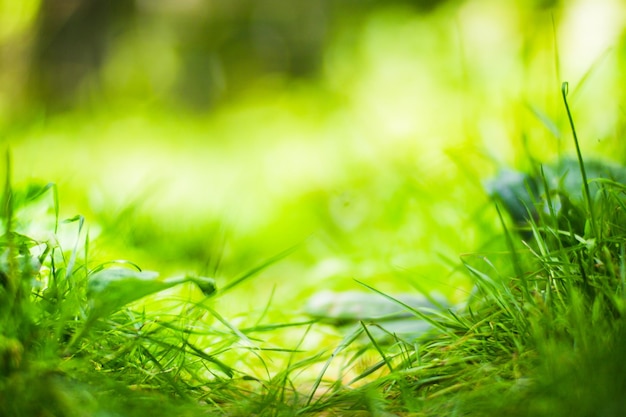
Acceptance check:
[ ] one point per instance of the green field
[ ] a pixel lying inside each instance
(404, 209)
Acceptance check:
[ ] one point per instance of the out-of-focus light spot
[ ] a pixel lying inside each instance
(590, 28)
(15, 16)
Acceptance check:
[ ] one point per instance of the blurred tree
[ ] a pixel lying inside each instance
(71, 40)
(221, 47)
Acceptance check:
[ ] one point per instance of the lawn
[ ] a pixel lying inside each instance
(447, 187)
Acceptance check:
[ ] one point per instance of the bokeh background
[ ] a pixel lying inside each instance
(207, 136)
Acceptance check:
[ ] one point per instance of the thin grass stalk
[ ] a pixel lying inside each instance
(583, 172)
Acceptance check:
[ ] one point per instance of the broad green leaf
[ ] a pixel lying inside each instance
(109, 290)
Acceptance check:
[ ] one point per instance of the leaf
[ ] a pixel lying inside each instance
(353, 306)
(110, 289)
(206, 285)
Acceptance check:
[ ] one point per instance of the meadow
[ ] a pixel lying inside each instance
(159, 259)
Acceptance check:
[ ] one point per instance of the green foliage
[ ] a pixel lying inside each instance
(371, 170)
(545, 317)
(77, 339)
(541, 334)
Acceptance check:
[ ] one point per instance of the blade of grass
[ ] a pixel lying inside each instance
(583, 172)
(517, 267)
(345, 343)
(413, 310)
(376, 346)
(255, 270)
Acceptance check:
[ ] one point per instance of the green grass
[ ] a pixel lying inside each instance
(350, 189)
(540, 335)
(71, 342)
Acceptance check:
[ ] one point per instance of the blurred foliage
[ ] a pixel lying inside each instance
(204, 136)
(188, 52)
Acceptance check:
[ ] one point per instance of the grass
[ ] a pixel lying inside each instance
(539, 325)
(540, 335)
(70, 343)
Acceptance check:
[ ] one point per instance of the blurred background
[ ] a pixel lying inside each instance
(207, 136)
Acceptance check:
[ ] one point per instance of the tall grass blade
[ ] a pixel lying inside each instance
(377, 346)
(411, 309)
(255, 270)
(583, 172)
(345, 343)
